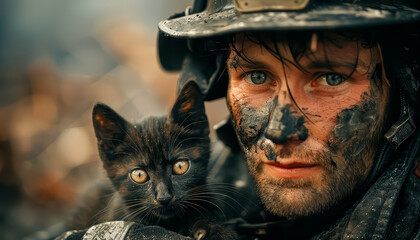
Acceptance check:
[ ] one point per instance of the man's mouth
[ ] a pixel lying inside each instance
(291, 169)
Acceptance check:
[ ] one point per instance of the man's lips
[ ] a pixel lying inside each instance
(291, 169)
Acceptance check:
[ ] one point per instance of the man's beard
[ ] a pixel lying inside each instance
(342, 173)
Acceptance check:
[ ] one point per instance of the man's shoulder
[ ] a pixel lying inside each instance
(406, 219)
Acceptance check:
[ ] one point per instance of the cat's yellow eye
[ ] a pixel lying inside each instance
(181, 167)
(139, 175)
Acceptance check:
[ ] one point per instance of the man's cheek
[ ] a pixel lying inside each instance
(357, 119)
(249, 122)
(358, 127)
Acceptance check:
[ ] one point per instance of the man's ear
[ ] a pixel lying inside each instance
(110, 128)
(188, 110)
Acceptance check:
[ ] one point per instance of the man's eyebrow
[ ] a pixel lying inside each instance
(323, 64)
(242, 63)
(238, 62)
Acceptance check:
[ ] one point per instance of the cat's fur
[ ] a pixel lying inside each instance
(172, 201)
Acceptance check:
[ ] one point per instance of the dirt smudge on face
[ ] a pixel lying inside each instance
(234, 63)
(249, 122)
(252, 121)
(268, 151)
(285, 126)
(356, 119)
(357, 133)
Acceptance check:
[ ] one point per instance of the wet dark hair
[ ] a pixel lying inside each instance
(299, 43)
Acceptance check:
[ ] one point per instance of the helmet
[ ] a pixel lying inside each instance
(227, 16)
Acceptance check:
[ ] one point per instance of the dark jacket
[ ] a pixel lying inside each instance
(387, 208)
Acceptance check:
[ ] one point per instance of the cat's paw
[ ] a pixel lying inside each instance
(200, 234)
(209, 230)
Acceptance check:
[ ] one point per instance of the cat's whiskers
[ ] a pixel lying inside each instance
(136, 213)
(219, 192)
(133, 203)
(141, 212)
(207, 201)
(106, 210)
(148, 217)
(117, 210)
(212, 196)
(182, 209)
(212, 191)
(194, 205)
(220, 188)
(136, 200)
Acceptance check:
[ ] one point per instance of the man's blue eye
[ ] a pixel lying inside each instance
(332, 79)
(256, 77)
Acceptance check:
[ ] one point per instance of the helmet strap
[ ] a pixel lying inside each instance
(404, 127)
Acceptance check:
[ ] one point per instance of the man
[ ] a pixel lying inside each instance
(319, 113)
(312, 146)
(323, 107)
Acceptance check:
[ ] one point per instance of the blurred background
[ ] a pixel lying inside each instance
(57, 59)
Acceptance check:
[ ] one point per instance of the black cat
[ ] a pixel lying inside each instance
(157, 168)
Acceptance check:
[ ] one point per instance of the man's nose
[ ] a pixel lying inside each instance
(286, 123)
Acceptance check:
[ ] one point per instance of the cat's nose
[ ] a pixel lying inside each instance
(163, 193)
(164, 200)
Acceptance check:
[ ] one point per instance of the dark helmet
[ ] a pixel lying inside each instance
(227, 16)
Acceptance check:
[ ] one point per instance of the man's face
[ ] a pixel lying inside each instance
(309, 129)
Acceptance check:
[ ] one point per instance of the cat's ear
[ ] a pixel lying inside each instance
(110, 128)
(188, 110)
